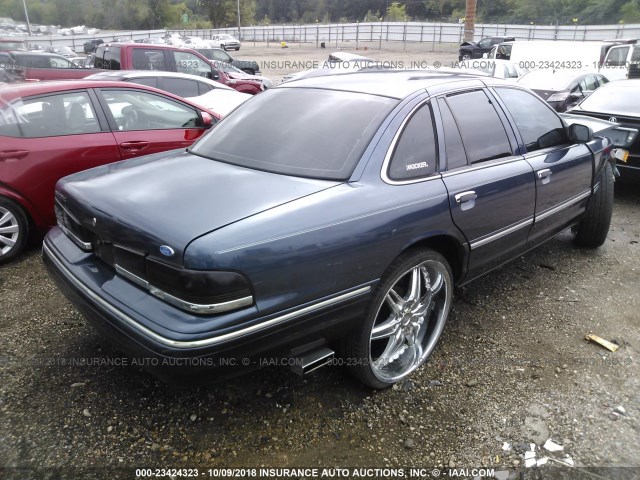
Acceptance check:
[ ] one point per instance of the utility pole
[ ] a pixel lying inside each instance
(469, 20)
(26, 16)
(239, 30)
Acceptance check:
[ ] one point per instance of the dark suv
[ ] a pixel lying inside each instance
(469, 50)
(91, 45)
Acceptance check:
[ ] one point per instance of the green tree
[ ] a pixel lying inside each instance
(396, 12)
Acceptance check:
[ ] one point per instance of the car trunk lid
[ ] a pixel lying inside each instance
(143, 205)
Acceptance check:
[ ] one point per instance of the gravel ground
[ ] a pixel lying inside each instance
(513, 367)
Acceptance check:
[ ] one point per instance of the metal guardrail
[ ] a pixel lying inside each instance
(334, 34)
(417, 32)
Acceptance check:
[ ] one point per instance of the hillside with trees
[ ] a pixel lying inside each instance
(151, 14)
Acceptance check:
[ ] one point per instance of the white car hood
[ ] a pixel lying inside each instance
(221, 101)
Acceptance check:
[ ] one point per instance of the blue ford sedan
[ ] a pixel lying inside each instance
(330, 214)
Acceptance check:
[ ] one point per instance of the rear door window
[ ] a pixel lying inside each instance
(482, 131)
(179, 86)
(53, 115)
(456, 156)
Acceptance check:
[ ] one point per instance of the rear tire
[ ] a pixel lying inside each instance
(592, 231)
(404, 321)
(14, 230)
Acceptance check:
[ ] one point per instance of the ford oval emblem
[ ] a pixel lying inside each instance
(167, 251)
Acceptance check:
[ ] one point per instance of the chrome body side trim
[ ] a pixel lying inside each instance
(205, 342)
(563, 205)
(198, 308)
(502, 233)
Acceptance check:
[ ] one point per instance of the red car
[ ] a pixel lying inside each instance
(52, 129)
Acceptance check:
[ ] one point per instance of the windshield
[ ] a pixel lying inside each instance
(545, 80)
(296, 131)
(618, 97)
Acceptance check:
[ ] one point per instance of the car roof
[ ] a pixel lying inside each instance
(390, 83)
(25, 89)
(126, 74)
(40, 53)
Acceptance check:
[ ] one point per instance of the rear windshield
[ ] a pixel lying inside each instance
(297, 131)
(616, 97)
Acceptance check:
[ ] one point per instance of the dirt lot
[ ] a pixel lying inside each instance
(512, 367)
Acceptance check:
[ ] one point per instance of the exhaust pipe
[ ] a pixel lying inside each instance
(310, 361)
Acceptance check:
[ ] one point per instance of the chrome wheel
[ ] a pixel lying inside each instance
(405, 319)
(9, 231)
(409, 321)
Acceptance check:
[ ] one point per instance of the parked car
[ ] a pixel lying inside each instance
(8, 76)
(210, 94)
(622, 61)
(41, 59)
(618, 102)
(138, 56)
(226, 41)
(51, 129)
(352, 223)
(470, 50)
(217, 55)
(91, 45)
(45, 66)
(154, 40)
(494, 68)
(338, 62)
(562, 89)
(10, 44)
(61, 50)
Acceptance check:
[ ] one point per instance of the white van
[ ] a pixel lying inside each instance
(622, 61)
(560, 55)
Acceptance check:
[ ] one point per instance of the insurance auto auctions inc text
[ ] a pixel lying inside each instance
(386, 473)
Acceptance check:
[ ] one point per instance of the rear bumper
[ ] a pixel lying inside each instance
(171, 343)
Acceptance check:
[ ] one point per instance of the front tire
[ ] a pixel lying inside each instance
(592, 231)
(404, 321)
(14, 230)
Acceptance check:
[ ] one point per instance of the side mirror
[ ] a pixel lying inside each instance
(213, 75)
(207, 119)
(580, 133)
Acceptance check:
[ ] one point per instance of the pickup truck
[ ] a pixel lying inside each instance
(140, 56)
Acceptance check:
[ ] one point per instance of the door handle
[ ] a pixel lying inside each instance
(134, 146)
(545, 175)
(13, 154)
(465, 196)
